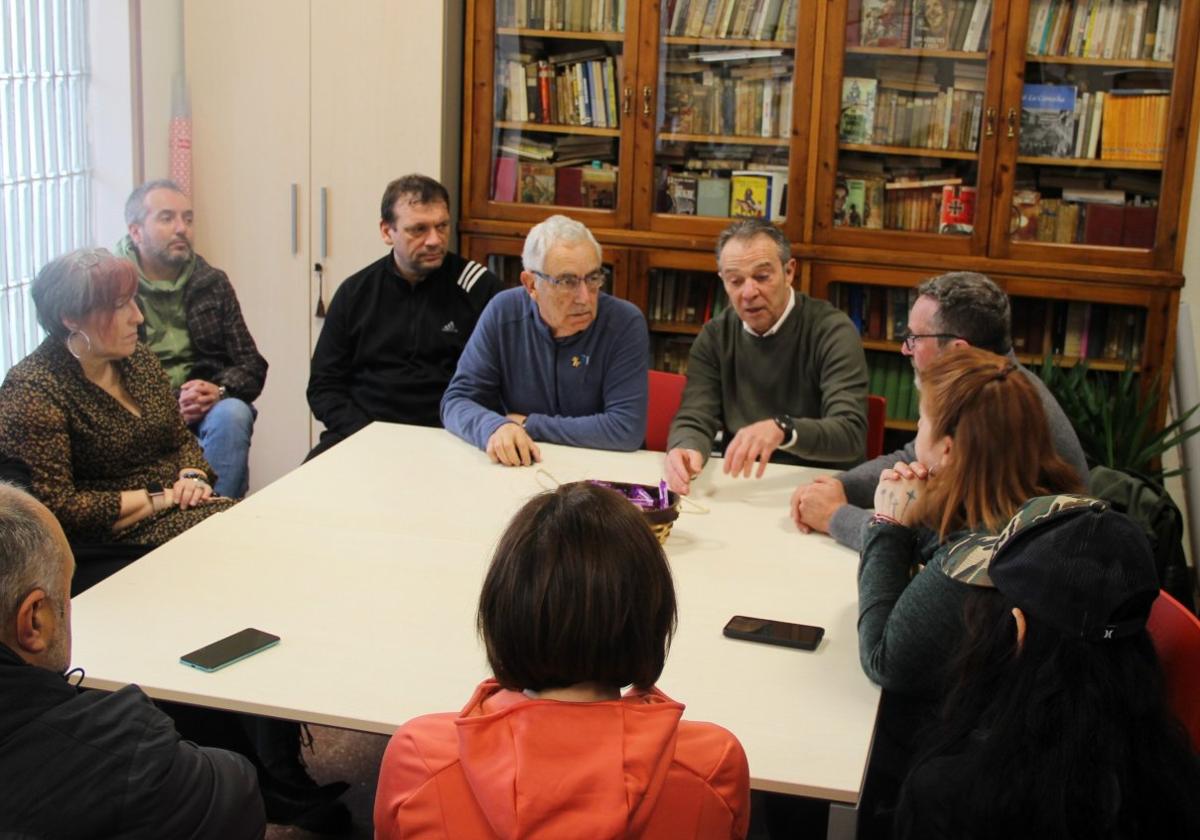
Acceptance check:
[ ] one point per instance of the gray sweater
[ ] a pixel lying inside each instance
(846, 525)
(813, 369)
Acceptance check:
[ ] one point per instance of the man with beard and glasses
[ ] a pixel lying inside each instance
(556, 360)
(90, 763)
(395, 330)
(952, 310)
(195, 326)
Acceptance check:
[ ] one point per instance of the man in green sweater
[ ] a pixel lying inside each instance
(781, 374)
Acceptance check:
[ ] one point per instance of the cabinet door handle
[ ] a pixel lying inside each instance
(647, 95)
(989, 123)
(295, 210)
(1012, 123)
(324, 221)
(627, 106)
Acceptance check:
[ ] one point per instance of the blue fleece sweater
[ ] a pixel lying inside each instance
(588, 389)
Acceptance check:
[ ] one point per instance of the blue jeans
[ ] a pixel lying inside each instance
(224, 435)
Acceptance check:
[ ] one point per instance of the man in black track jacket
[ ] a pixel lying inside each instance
(395, 330)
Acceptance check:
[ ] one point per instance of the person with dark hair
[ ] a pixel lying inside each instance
(93, 763)
(983, 440)
(556, 360)
(395, 330)
(193, 323)
(953, 310)
(578, 602)
(1056, 724)
(91, 414)
(781, 375)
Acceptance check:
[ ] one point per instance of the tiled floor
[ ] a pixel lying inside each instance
(352, 757)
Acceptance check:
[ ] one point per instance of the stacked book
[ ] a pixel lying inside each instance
(566, 15)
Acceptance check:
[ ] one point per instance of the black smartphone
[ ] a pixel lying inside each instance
(230, 649)
(768, 632)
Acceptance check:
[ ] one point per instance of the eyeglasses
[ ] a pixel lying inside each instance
(570, 282)
(909, 340)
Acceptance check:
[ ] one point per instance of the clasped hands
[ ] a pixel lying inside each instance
(898, 491)
(814, 504)
(196, 398)
(752, 444)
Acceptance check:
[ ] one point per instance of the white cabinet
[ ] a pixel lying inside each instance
(302, 111)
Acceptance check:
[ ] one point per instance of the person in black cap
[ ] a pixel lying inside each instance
(1057, 723)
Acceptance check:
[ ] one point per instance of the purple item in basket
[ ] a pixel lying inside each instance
(664, 499)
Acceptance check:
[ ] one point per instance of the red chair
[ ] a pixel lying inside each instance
(876, 416)
(666, 390)
(1176, 634)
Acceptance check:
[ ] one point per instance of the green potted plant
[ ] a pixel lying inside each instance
(1114, 418)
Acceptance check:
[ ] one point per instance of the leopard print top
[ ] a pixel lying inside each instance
(83, 447)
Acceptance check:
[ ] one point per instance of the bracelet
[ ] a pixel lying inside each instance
(195, 475)
(883, 518)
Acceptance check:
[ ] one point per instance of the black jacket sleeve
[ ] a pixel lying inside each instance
(177, 789)
(330, 375)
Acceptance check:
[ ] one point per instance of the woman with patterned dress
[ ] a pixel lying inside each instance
(90, 412)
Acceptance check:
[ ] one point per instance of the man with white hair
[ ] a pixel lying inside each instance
(91, 764)
(556, 360)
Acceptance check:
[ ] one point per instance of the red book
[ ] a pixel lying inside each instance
(1138, 230)
(958, 210)
(543, 74)
(568, 188)
(504, 179)
(1103, 223)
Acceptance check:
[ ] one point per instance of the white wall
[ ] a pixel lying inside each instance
(162, 59)
(110, 116)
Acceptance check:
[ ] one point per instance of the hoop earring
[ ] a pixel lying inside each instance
(71, 349)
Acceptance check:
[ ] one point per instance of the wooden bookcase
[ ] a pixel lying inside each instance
(693, 95)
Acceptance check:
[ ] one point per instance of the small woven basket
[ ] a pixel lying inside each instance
(660, 520)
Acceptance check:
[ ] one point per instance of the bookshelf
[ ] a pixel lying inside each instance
(967, 145)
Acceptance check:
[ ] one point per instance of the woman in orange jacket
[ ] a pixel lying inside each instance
(577, 603)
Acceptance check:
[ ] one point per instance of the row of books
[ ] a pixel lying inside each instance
(947, 119)
(751, 193)
(578, 88)
(592, 187)
(932, 205)
(682, 297)
(919, 24)
(891, 377)
(1064, 328)
(1107, 29)
(772, 20)
(878, 312)
(709, 103)
(1043, 219)
(670, 352)
(1078, 330)
(567, 15)
(1058, 121)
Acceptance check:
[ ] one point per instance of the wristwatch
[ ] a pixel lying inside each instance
(788, 428)
(220, 392)
(155, 491)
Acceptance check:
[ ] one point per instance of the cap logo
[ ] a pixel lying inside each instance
(1108, 632)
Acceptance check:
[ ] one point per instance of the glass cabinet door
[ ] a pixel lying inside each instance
(718, 109)
(561, 92)
(908, 125)
(1088, 113)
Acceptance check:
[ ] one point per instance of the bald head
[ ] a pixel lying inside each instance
(36, 566)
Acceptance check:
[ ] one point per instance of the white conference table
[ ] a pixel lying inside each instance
(367, 561)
